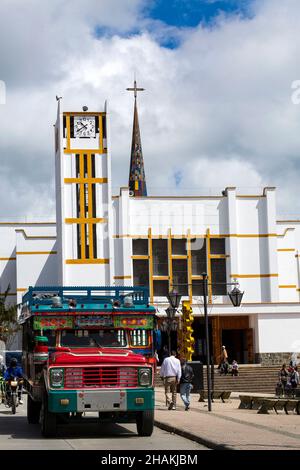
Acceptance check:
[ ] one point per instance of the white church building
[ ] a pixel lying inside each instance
(163, 243)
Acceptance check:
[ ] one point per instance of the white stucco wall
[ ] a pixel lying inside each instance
(279, 332)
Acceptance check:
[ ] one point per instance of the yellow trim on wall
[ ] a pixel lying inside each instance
(83, 180)
(253, 275)
(291, 286)
(88, 261)
(36, 252)
(87, 220)
(179, 256)
(12, 258)
(22, 289)
(122, 277)
(140, 257)
(160, 278)
(286, 249)
(95, 151)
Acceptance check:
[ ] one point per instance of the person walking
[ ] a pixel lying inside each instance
(170, 373)
(186, 386)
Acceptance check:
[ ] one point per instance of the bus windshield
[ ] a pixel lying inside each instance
(93, 338)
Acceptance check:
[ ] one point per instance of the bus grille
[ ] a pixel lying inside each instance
(100, 377)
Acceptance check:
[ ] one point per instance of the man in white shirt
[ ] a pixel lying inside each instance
(170, 372)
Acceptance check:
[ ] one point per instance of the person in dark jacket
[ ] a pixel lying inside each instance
(14, 371)
(186, 386)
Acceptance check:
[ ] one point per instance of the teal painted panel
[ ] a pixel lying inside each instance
(54, 398)
(146, 394)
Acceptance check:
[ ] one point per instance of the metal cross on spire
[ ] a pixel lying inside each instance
(135, 89)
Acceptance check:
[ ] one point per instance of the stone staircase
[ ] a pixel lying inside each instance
(251, 378)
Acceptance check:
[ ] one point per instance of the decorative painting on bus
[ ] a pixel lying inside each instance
(134, 321)
(52, 323)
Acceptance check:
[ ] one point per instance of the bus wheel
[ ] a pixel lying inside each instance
(145, 422)
(48, 420)
(33, 410)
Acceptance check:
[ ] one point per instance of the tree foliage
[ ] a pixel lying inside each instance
(8, 318)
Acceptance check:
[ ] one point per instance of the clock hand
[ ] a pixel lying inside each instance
(83, 127)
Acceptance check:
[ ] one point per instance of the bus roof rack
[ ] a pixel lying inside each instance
(86, 294)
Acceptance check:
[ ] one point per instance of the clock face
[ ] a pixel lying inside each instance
(84, 126)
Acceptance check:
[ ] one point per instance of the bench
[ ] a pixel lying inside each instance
(223, 395)
(266, 404)
(280, 405)
(246, 402)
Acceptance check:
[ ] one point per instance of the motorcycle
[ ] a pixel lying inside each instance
(11, 393)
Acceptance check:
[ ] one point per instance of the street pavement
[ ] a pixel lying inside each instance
(227, 427)
(16, 433)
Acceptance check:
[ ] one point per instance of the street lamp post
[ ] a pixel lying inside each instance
(174, 301)
(236, 298)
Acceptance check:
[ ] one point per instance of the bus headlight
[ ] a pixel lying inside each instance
(56, 377)
(145, 377)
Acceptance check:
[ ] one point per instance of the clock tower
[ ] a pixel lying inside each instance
(83, 197)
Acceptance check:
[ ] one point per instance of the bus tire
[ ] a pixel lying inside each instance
(48, 419)
(145, 422)
(33, 410)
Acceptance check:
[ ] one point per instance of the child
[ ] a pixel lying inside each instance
(234, 368)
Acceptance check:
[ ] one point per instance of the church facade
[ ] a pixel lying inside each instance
(164, 243)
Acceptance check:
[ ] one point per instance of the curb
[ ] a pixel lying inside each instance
(192, 437)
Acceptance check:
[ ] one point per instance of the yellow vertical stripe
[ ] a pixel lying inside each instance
(82, 209)
(208, 265)
(90, 205)
(68, 132)
(150, 263)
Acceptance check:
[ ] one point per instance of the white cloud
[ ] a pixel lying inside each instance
(217, 110)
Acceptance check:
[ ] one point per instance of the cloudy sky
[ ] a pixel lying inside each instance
(218, 109)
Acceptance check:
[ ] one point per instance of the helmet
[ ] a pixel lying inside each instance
(13, 362)
(223, 347)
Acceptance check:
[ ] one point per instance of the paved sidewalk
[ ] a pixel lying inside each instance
(227, 427)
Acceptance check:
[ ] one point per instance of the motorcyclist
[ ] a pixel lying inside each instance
(15, 371)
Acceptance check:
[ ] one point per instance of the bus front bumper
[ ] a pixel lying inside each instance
(66, 401)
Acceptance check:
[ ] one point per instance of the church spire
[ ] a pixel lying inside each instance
(137, 180)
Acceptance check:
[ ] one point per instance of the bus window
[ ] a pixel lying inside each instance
(139, 338)
(93, 338)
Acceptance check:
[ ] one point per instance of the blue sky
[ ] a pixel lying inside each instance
(189, 13)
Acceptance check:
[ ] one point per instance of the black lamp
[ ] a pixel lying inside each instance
(174, 299)
(236, 296)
